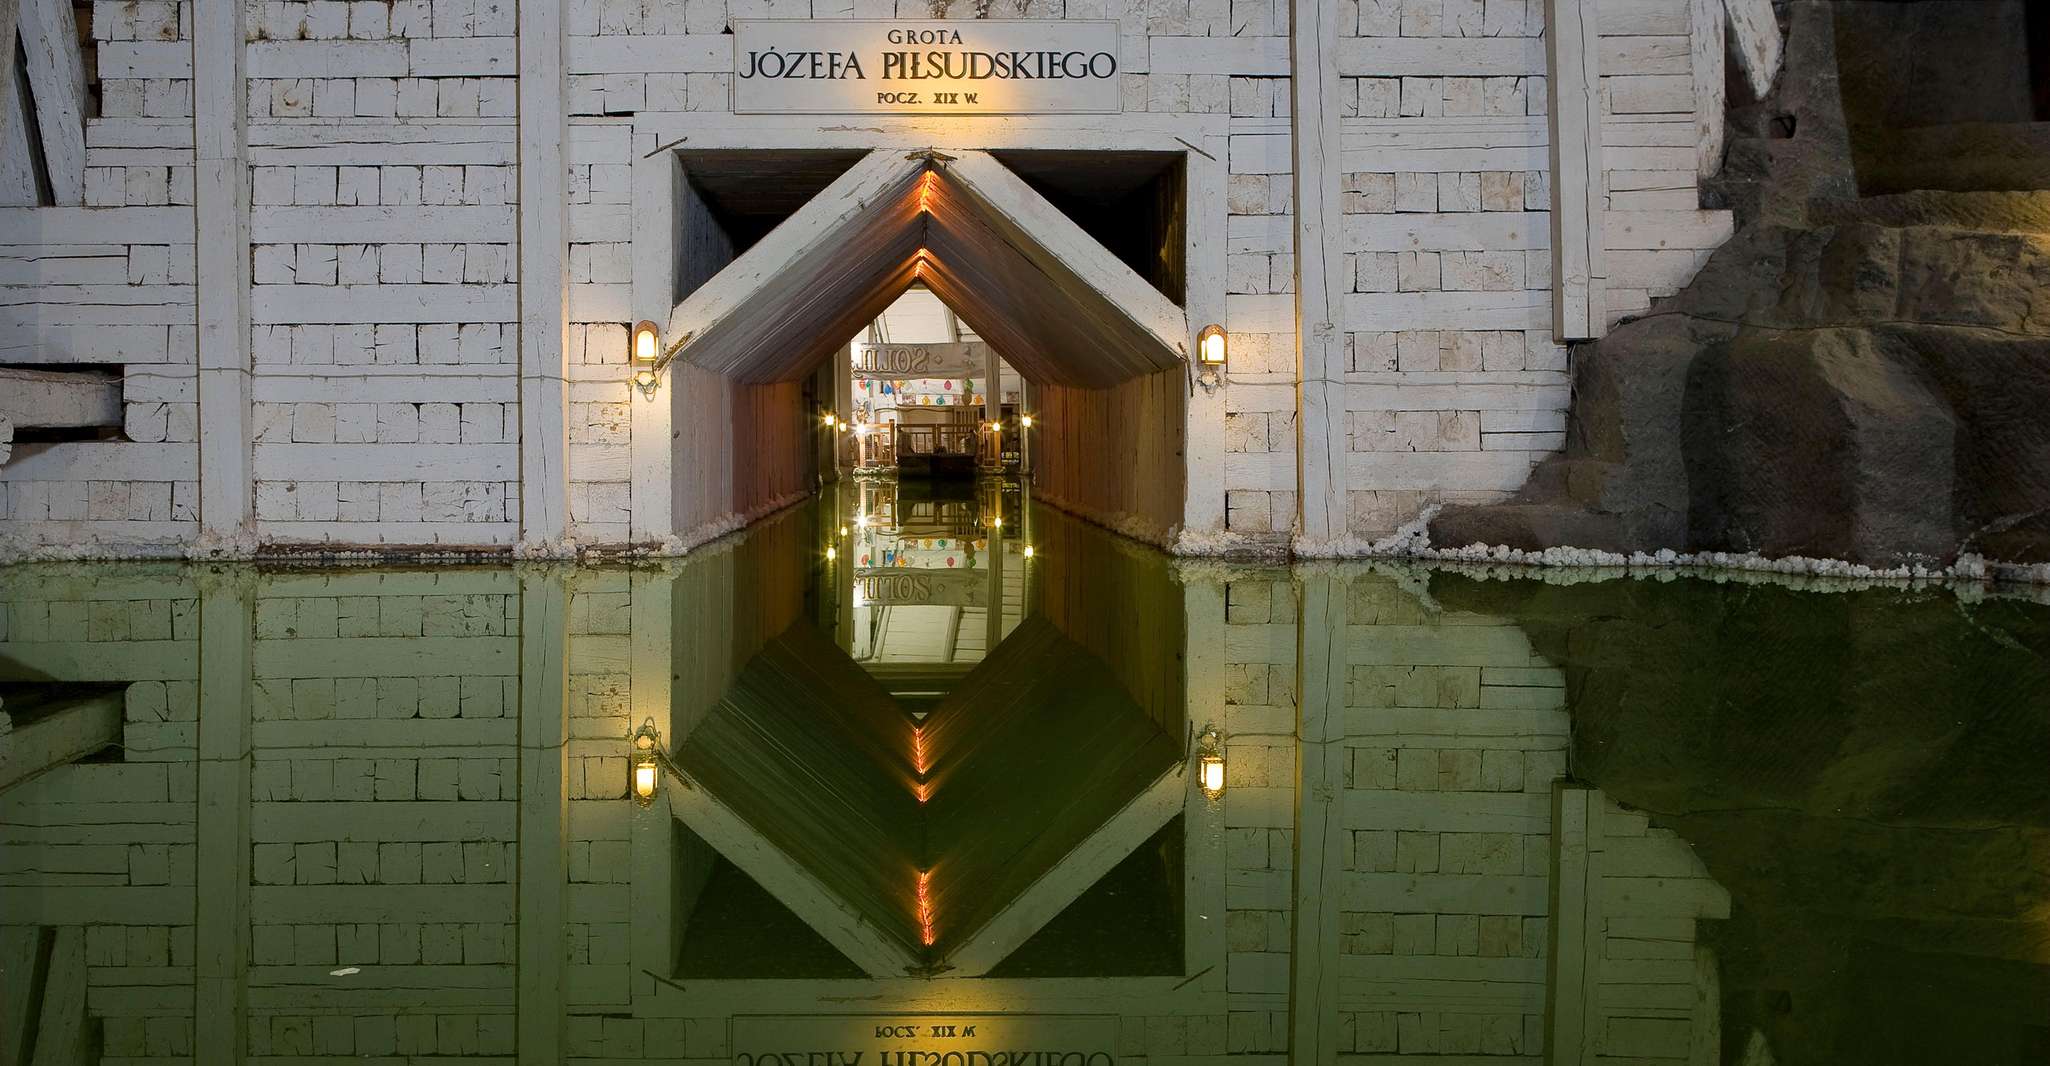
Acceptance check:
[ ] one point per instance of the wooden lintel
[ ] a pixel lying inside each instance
(1755, 31)
(1572, 49)
(56, 73)
(58, 734)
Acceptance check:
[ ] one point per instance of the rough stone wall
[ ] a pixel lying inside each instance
(1849, 378)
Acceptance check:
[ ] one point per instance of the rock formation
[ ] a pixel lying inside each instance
(1863, 371)
(1859, 769)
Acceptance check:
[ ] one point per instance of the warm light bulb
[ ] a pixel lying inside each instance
(996, 522)
(644, 782)
(1211, 346)
(831, 553)
(1028, 551)
(1213, 774)
(644, 346)
(843, 531)
(1025, 420)
(830, 419)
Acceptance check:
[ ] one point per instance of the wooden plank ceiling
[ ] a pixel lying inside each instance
(929, 830)
(1055, 304)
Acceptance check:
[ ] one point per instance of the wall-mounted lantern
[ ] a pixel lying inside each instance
(647, 762)
(647, 357)
(1210, 763)
(1212, 355)
(1025, 421)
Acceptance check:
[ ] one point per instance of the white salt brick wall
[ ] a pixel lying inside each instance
(426, 815)
(600, 280)
(383, 290)
(386, 409)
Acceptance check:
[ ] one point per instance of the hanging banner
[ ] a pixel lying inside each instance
(962, 359)
(925, 67)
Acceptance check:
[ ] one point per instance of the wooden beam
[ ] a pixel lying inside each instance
(1320, 833)
(61, 1032)
(1573, 927)
(20, 948)
(1206, 174)
(10, 26)
(221, 218)
(57, 735)
(1075, 874)
(543, 863)
(17, 172)
(992, 402)
(821, 228)
(1706, 35)
(1317, 147)
(544, 275)
(840, 924)
(56, 75)
(1020, 214)
(59, 398)
(1574, 86)
(656, 179)
(227, 627)
(1755, 32)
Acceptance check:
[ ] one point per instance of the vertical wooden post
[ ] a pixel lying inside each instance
(650, 675)
(544, 275)
(1578, 201)
(652, 443)
(1706, 31)
(1024, 435)
(543, 869)
(220, 139)
(1205, 863)
(1203, 256)
(1319, 865)
(1755, 30)
(227, 628)
(1572, 927)
(10, 25)
(56, 70)
(1320, 346)
(843, 406)
(992, 401)
(994, 613)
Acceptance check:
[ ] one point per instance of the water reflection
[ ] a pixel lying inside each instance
(921, 780)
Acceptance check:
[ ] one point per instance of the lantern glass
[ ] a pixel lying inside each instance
(1213, 774)
(647, 763)
(647, 343)
(1211, 346)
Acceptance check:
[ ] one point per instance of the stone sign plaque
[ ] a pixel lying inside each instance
(925, 67)
(925, 1040)
(944, 359)
(916, 587)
